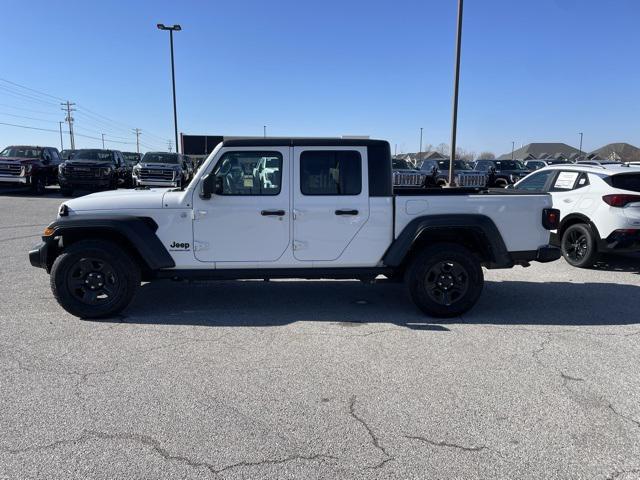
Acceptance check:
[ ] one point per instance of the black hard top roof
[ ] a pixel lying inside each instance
(302, 142)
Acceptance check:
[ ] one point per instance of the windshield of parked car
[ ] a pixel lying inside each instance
(399, 164)
(160, 158)
(625, 181)
(510, 165)
(131, 158)
(93, 155)
(457, 165)
(67, 154)
(21, 152)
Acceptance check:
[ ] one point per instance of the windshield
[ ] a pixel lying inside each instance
(160, 158)
(457, 165)
(131, 158)
(510, 165)
(401, 164)
(67, 154)
(93, 155)
(22, 152)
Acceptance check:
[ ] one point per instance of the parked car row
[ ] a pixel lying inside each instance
(92, 169)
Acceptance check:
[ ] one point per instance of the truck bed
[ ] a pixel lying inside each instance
(518, 218)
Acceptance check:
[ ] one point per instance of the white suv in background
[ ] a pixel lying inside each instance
(599, 208)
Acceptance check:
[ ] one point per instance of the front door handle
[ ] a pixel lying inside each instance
(273, 213)
(346, 212)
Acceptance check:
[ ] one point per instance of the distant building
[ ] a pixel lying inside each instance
(417, 158)
(544, 151)
(619, 152)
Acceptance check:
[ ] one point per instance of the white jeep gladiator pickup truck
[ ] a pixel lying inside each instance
(292, 208)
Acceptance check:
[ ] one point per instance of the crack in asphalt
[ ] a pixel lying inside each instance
(621, 415)
(374, 438)
(447, 444)
(156, 446)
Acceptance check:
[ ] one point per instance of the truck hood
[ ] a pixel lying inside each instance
(87, 163)
(20, 160)
(118, 200)
(171, 166)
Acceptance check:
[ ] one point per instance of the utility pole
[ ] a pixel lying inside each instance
(264, 131)
(513, 146)
(456, 83)
(61, 144)
(68, 106)
(395, 150)
(580, 133)
(102, 140)
(174, 28)
(420, 152)
(169, 145)
(137, 131)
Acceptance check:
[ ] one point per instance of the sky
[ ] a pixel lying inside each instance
(531, 71)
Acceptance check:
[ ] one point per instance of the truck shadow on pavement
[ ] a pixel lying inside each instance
(351, 303)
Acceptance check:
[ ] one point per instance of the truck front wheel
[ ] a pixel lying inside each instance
(94, 278)
(445, 280)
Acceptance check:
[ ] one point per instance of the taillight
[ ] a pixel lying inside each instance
(550, 218)
(620, 200)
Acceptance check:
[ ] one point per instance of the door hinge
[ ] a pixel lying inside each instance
(199, 246)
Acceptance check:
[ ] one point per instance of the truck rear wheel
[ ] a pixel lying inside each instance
(445, 280)
(94, 278)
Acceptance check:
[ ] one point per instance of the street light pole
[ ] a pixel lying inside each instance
(61, 144)
(456, 83)
(174, 28)
(513, 147)
(580, 133)
(420, 152)
(264, 131)
(102, 140)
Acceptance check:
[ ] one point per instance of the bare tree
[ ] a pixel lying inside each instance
(462, 154)
(442, 149)
(487, 156)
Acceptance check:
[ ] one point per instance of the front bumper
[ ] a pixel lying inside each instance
(13, 179)
(84, 182)
(39, 256)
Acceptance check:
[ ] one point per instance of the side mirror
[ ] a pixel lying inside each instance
(208, 186)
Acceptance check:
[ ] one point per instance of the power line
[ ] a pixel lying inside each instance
(30, 89)
(23, 96)
(28, 109)
(28, 118)
(30, 128)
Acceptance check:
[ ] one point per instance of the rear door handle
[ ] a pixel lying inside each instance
(273, 213)
(346, 212)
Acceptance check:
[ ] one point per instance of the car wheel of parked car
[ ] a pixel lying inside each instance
(501, 183)
(445, 280)
(578, 245)
(94, 278)
(38, 184)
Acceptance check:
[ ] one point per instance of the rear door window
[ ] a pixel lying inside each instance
(332, 172)
(625, 181)
(535, 182)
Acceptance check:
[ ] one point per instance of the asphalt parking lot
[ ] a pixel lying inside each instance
(318, 379)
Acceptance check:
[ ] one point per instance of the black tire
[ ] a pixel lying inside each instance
(82, 272)
(501, 183)
(38, 185)
(445, 280)
(579, 245)
(66, 191)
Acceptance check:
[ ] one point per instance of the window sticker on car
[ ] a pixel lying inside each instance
(566, 180)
